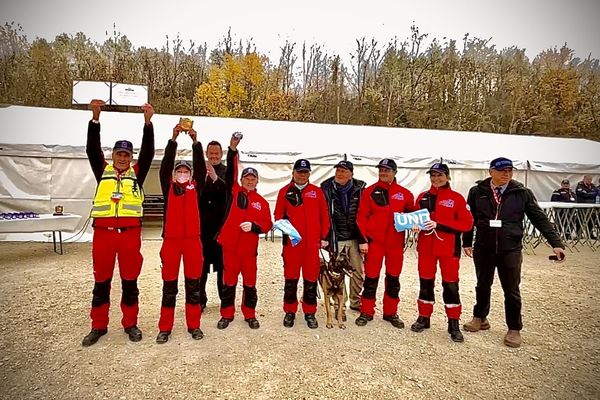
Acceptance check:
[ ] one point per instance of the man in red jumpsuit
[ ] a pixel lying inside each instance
(440, 242)
(304, 205)
(181, 185)
(117, 211)
(248, 216)
(375, 220)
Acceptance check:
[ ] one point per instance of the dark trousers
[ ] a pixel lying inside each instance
(213, 255)
(509, 272)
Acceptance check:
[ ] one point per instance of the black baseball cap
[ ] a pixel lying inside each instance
(387, 163)
(123, 145)
(183, 163)
(501, 163)
(302, 165)
(345, 164)
(439, 167)
(249, 171)
(565, 181)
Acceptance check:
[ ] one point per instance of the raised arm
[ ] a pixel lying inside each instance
(199, 163)
(147, 148)
(168, 162)
(231, 172)
(93, 148)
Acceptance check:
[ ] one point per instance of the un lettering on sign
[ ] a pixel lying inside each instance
(128, 95)
(405, 221)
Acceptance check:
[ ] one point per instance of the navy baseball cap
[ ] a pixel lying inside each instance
(387, 163)
(439, 167)
(249, 171)
(183, 163)
(501, 163)
(123, 145)
(345, 164)
(302, 165)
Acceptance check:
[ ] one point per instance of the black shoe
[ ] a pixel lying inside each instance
(454, 331)
(253, 323)
(343, 316)
(197, 334)
(223, 323)
(355, 308)
(162, 337)
(135, 334)
(394, 320)
(203, 306)
(363, 319)
(92, 337)
(311, 321)
(420, 324)
(288, 320)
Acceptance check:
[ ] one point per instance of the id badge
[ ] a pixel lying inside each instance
(116, 196)
(496, 223)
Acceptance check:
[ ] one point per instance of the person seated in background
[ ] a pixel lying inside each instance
(564, 194)
(586, 191)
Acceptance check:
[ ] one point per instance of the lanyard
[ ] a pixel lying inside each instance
(497, 198)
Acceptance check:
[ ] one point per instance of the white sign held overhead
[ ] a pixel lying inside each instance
(129, 95)
(86, 91)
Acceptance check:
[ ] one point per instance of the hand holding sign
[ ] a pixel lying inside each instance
(406, 221)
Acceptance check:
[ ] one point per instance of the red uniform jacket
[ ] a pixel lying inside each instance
(243, 206)
(449, 209)
(378, 204)
(182, 219)
(307, 210)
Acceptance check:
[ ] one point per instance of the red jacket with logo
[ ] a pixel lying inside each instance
(378, 204)
(182, 219)
(449, 209)
(244, 206)
(306, 209)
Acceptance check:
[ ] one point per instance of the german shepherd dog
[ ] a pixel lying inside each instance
(331, 278)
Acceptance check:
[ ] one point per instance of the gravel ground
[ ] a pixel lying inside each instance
(45, 299)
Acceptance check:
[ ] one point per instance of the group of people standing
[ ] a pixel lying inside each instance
(212, 219)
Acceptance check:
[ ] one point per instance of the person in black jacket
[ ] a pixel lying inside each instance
(586, 193)
(564, 195)
(213, 201)
(499, 205)
(342, 193)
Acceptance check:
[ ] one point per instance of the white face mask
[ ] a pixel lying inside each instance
(182, 177)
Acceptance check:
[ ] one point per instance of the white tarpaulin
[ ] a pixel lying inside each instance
(45, 164)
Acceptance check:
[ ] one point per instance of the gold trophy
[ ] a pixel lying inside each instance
(186, 123)
(58, 210)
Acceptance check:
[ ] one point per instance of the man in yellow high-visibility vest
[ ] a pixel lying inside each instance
(117, 213)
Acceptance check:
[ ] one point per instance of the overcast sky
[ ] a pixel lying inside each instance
(531, 24)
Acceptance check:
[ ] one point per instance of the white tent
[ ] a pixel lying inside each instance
(43, 161)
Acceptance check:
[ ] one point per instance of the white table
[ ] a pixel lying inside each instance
(45, 223)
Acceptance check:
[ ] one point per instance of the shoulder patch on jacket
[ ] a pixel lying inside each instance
(398, 196)
(312, 194)
(447, 203)
(256, 205)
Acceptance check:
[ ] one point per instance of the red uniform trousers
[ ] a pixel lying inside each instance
(235, 263)
(171, 252)
(449, 268)
(107, 245)
(394, 259)
(295, 259)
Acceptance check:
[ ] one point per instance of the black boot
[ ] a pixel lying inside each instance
(394, 320)
(197, 334)
(311, 321)
(92, 337)
(454, 331)
(253, 323)
(162, 337)
(363, 319)
(223, 323)
(420, 324)
(134, 333)
(288, 320)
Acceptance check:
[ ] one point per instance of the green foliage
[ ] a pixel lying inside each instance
(402, 83)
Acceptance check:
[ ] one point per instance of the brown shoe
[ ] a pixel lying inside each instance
(476, 325)
(512, 338)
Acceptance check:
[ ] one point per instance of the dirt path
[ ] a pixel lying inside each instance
(45, 297)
